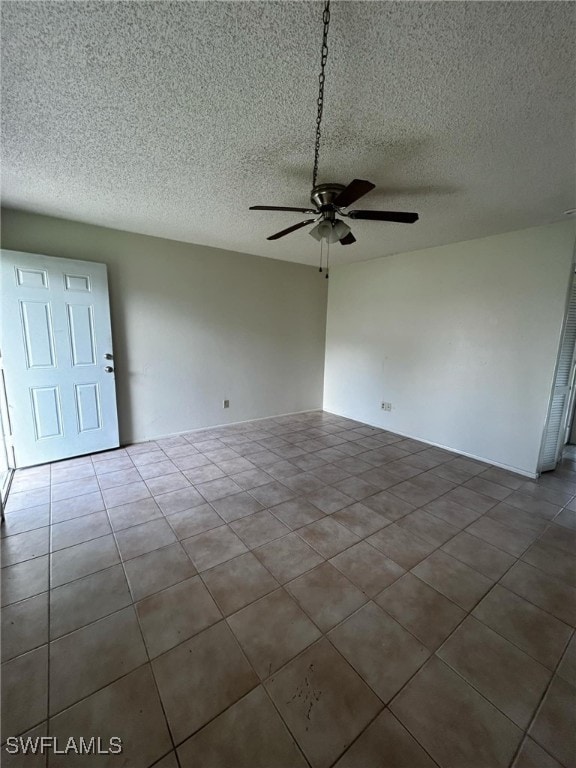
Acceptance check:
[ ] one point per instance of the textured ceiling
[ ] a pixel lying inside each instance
(171, 118)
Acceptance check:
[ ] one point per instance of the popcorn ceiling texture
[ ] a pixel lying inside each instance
(171, 118)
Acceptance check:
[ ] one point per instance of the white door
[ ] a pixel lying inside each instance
(555, 431)
(56, 345)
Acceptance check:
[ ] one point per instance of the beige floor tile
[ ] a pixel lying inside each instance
(537, 633)
(238, 582)
(213, 547)
(356, 488)
(79, 529)
(169, 617)
(327, 536)
(251, 478)
(545, 591)
(256, 737)
(258, 529)
(567, 667)
(143, 538)
(481, 484)
(428, 527)
(24, 626)
(360, 519)
(479, 555)
(24, 546)
(134, 513)
(502, 536)
(124, 494)
(560, 538)
(83, 559)
(129, 708)
(203, 474)
(367, 568)
(517, 519)
(454, 723)
(383, 653)
(170, 761)
(471, 499)
(24, 579)
(326, 595)
(200, 678)
(531, 755)
(26, 520)
(94, 656)
(25, 499)
(158, 570)
(288, 557)
(422, 489)
(118, 478)
(157, 469)
(234, 466)
(536, 506)
(423, 611)
(403, 547)
(555, 723)
(218, 489)
(501, 672)
(114, 464)
(388, 505)
(552, 561)
(329, 499)
(451, 512)
(452, 578)
(178, 501)
(77, 506)
(24, 692)
(296, 513)
(71, 488)
(272, 631)
(385, 736)
(175, 481)
(236, 506)
(83, 601)
(304, 482)
(271, 494)
(191, 522)
(323, 701)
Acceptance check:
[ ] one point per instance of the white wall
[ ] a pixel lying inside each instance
(461, 339)
(194, 325)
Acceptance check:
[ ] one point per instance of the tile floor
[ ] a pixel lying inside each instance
(304, 590)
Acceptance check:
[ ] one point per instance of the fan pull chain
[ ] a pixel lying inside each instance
(321, 259)
(327, 258)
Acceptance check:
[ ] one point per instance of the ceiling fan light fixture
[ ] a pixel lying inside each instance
(340, 229)
(322, 230)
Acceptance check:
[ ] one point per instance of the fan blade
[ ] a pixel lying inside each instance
(290, 229)
(348, 239)
(280, 208)
(355, 190)
(399, 216)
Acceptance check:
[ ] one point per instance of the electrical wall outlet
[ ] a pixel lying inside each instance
(226, 404)
(386, 406)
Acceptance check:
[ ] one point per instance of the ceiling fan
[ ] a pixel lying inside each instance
(329, 200)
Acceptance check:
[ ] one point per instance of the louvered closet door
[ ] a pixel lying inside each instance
(58, 359)
(554, 435)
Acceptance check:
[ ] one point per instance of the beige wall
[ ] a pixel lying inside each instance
(194, 325)
(461, 339)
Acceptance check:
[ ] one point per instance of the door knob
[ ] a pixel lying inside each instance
(109, 369)
(108, 356)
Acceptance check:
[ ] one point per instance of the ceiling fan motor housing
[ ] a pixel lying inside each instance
(323, 196)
